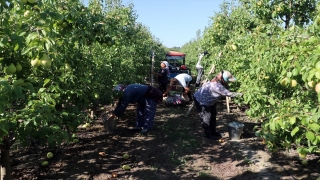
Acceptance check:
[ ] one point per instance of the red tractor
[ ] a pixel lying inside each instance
(177, 64)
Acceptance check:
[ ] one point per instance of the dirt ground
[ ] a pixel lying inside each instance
(175, 149)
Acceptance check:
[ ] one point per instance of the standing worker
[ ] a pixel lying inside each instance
(199, 68)
(163, 75)
(205, 100)
(147, 97)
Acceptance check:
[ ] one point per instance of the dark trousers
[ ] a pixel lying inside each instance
(163, 86)
(208, 117)
(146, 111)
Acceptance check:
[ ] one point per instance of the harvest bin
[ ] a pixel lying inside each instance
(235, 130)
(110, 124)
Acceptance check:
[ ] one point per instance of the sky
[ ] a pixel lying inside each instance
(174, 22)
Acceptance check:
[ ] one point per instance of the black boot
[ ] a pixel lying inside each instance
(208, 132)
(214, 132)
(213, 125)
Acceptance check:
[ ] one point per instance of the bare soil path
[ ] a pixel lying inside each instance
(175, 149)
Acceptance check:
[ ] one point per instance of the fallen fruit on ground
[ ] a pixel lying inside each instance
(76, 140)
(114, 174)
(102, 153)
(44, 163)
(126, 167)
(86, 125)
(126, 156)
(302, 155)
(304, 162)
(49, 155)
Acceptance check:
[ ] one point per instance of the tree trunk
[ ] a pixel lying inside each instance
(5, 161)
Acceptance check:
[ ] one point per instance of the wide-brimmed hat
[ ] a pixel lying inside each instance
(228, 77)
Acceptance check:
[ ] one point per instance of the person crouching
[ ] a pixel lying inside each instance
(147, 97)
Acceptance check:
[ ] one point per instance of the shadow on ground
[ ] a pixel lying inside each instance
(175, 149)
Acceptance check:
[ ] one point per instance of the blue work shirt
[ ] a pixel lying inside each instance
(131, 95)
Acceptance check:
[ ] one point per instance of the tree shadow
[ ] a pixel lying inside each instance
(174, 149)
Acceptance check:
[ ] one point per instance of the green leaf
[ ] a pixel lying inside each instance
(294, 131)
(294, 72)
(22, 33)
(292, 120)
(41, 90)
(46, 81)
(310, 136)
(290, 58)
(30, 103)
(55, 127)
(16, 47)
(311, 73)
(317, 74)
(26, 50)
(30, 37)
(29, 86)
(272, 102)
(314, 126)
(273, 126)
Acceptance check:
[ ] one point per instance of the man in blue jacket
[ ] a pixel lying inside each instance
(147, 97)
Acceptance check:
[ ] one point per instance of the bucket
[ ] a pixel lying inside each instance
(110, 124)
(235, 130)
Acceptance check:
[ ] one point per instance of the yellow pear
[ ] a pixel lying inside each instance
(317, 88)
(234, 47)
(35, 63)
(311, 84)
(126, 167)
(302, 155)
(45, 60)
(293, 83)
(284, 82)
